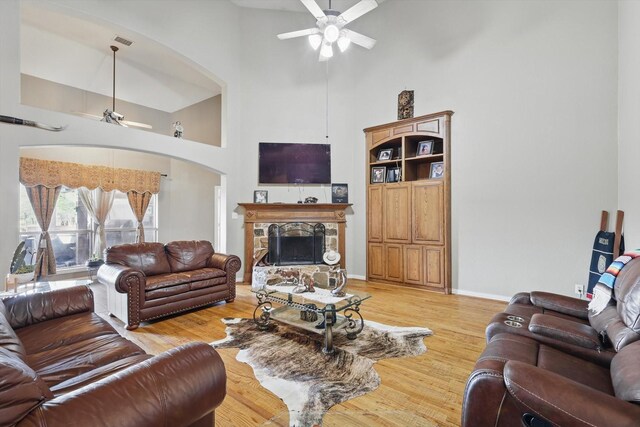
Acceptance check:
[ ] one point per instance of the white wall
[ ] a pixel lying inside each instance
(628, 119)
(189, 204)
(533, 85)
(535, 121)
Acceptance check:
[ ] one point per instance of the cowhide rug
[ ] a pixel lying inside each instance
(289, 362)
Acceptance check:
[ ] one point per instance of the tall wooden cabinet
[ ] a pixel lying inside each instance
(409, 202)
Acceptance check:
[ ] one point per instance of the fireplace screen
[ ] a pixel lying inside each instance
(296, 243)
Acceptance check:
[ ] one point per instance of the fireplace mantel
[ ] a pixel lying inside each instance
(290, 212)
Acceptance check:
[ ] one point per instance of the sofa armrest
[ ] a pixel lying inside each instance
(121, 277)
(565, 330)
(560, 303)
(27, 309)
(565, 402)
(521, 298)
(176, 388)
(229, 263)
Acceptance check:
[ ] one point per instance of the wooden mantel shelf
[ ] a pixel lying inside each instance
(290, 212)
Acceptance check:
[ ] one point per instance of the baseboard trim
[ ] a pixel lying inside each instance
(480, 295)
(356, 276)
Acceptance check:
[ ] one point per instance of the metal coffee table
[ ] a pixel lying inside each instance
(337, 313)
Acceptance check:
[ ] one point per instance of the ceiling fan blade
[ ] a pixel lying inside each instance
(135, 124)
(313, 7)
(360, 39)
(357, 10)
(299, 33)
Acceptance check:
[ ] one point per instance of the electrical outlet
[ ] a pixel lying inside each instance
(579, 290)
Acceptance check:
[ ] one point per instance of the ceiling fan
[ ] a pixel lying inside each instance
(330, 28)
(110, 115)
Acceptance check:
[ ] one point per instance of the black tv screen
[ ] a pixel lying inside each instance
(288, 163)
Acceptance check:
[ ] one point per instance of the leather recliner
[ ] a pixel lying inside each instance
(553, 369)
(566, 324)
(518, 381)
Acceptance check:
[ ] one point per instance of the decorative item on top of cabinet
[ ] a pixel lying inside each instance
(409, 212)
(405, 104)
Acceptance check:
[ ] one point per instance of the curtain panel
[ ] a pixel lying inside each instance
(139, 203)
(51, 174)
(43, 200)
(98, 204)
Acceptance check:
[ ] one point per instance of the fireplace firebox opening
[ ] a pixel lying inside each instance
(296, 243)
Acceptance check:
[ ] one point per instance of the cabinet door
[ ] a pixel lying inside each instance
(375, 261)
(413, 264)
(428, 212)
(375, 214)
(434, 266)
(397, 213)
(393, 262)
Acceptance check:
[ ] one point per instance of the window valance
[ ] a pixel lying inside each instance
(75, 175)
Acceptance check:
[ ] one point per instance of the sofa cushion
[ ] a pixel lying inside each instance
(150, 258)
(63, 331)
(21, 389)
(164, 281)
(204, 274)
(189, 255)
(625, 373)
(60, 364)
(8, 338)
(166, 291)
(97, 374)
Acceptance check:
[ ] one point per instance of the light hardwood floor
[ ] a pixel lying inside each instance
(418, 391)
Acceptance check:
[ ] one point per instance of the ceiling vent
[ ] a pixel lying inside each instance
(122, 40)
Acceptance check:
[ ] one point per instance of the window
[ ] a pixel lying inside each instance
(71, 228)
(121, 224)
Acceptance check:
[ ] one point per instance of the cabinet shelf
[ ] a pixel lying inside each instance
(387, 162)
(426, 157)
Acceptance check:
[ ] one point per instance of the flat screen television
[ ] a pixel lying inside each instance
(293, 163)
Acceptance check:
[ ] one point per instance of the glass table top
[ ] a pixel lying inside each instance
(321, 296)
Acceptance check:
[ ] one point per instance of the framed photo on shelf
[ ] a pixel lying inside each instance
(260, 196)
(393, 175)
(378, 174)
(437, 170)
(339, 193)
(385, 154)
(424, 148)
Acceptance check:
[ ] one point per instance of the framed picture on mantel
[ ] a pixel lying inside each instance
(339, 193)
(260, 196)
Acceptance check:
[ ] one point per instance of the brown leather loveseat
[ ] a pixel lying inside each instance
(147, 281)
(63, 365)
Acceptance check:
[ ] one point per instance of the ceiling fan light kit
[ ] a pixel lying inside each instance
(326, 51)
(330, 28)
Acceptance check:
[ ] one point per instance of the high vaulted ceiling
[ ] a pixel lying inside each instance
(74, 51)
(296, 5)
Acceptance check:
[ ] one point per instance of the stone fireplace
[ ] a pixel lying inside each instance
(259, 218)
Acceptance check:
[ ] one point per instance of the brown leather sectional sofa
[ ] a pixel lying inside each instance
(550, 362)
(147, 281)
(63, 365)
